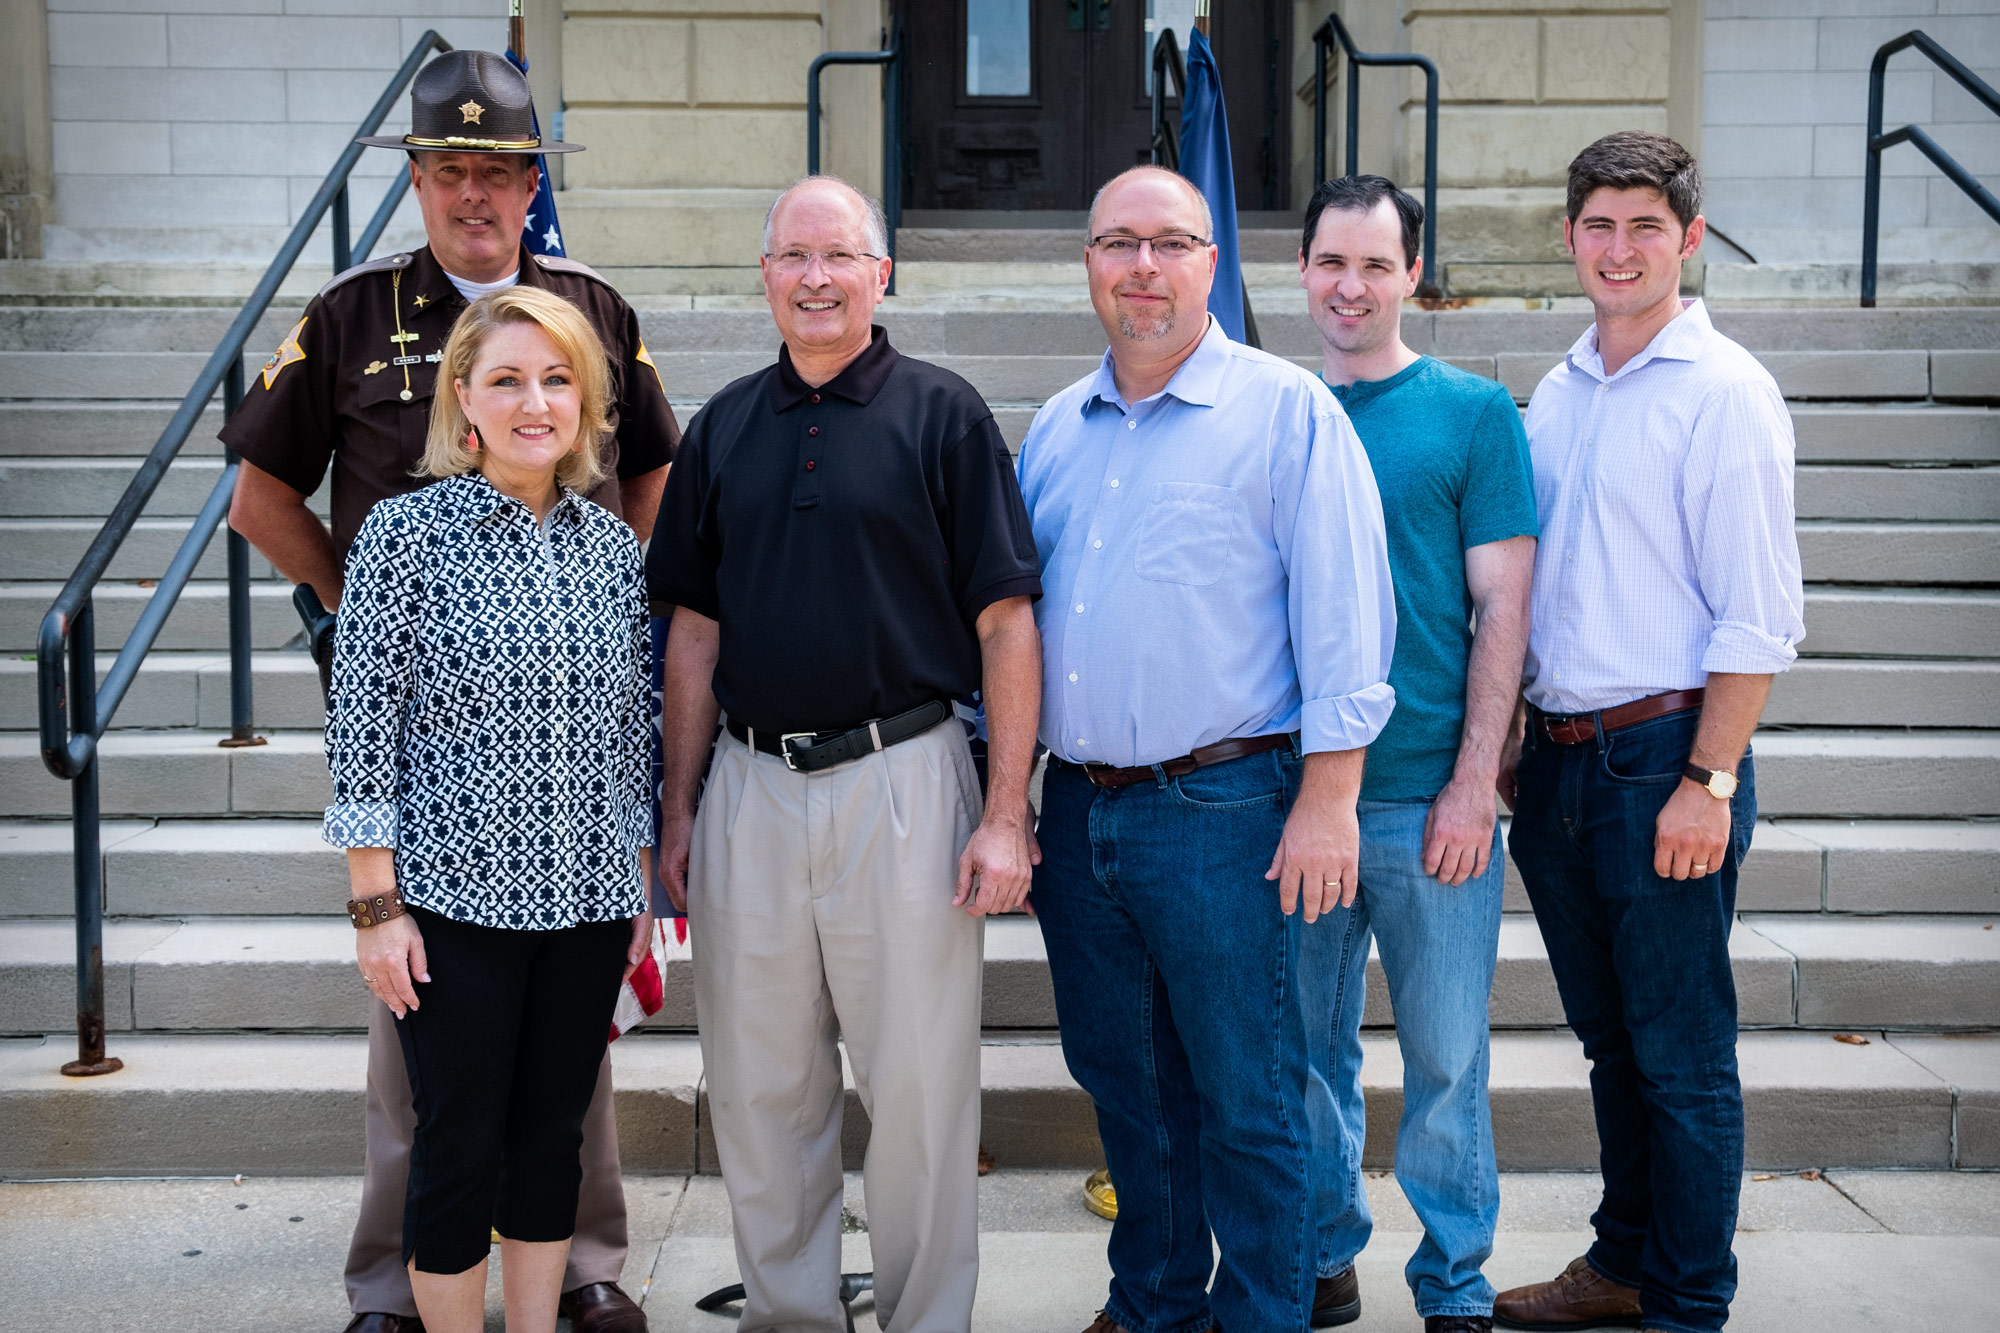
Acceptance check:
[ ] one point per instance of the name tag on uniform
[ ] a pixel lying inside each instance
(407, 361)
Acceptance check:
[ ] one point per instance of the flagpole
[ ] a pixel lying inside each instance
(517, 31)
(1201, 17)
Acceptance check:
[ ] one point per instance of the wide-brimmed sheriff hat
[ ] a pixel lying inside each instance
(471, 102)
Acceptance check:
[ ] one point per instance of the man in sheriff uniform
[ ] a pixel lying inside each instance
(351, 386)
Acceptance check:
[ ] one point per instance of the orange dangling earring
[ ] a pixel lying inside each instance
(472, 440)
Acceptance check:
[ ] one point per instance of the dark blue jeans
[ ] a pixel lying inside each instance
(1177, 988)
(1643, 966)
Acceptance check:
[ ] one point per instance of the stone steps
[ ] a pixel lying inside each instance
(199, 620)
(66, 487)
(1831, 552)
(279, 866)
(1841, 620)
(1015, 377)
(221, 1104)
(279, 973)
(1833, 773)
(1834, 433)
(191, 689)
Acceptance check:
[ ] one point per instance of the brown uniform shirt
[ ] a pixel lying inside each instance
(352, 383)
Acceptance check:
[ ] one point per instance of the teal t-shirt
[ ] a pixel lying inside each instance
(1451, 461)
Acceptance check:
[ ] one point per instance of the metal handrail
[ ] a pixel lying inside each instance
(1324, 38)
(1871, 206)
(1166, 151)
(76, 712)
(890, 57)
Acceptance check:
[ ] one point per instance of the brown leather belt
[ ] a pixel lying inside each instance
(1236, 747)
(1576, 728)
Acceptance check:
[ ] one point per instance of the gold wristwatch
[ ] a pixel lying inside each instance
(1716, 782)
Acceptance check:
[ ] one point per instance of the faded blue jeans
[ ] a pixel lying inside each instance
(1437, 945)
(1643, 966)
(1176, 985)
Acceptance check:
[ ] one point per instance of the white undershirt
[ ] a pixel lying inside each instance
(472, 291)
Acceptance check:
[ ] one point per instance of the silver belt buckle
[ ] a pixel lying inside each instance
(785, 739)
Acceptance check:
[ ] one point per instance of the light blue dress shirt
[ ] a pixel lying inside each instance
(1665, 495)
(1213, 563)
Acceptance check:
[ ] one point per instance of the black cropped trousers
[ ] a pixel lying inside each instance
(503, 1053)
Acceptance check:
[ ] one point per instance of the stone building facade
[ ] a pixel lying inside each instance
(195, 131)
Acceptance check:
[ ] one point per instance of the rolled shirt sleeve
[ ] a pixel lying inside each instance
(1740, 513)
(1342, 606)
(374, 675)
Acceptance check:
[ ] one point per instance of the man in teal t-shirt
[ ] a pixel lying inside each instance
(1452, 464)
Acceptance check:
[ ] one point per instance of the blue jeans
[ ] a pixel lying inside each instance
(1176, 985)
(1643, 966)
(1438, 944)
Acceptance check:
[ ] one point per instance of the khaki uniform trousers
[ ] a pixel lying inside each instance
(377, 1282)
(820, 909)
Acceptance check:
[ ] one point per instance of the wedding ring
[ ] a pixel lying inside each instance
(1701, 867)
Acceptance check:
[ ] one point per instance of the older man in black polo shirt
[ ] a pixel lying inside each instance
(846, 547)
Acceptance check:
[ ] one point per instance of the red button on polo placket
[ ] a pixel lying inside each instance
(811, 464)
(812, 430)
(815, 398)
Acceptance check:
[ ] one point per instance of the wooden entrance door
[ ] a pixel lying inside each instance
(1033, 104)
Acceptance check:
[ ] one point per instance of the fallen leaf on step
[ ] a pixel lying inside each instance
(1764, 1176)
(1851, 1038)
(149, 583)
(1808, 1175)
(986, 1162)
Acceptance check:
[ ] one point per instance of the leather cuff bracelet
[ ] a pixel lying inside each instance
(374, 910)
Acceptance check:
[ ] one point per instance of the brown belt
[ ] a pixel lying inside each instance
(1576, 728)
(1236, 747)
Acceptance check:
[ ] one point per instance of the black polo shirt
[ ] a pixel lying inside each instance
(845, 538)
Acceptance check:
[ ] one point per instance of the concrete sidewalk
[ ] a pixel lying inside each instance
(1885, 1252)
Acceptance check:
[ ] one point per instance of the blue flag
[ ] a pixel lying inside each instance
(541, 234)
(1205, 161)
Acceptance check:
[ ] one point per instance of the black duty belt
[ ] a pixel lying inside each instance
(811, 751)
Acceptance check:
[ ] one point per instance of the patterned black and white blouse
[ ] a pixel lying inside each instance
(491, 717)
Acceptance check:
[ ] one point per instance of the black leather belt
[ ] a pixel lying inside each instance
(811, 751)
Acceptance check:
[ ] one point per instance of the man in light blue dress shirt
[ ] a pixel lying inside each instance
(1666, 596)
(1217, 628)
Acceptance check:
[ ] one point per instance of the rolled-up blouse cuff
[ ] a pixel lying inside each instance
(1347, 721)
(360, 824)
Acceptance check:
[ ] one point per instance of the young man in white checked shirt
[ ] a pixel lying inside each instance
(1666, 595)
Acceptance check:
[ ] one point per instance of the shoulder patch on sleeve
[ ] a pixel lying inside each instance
(558, 264)
(288, 352)
(382, 265)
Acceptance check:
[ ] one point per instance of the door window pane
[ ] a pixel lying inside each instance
(1161, 15)
(996, 48)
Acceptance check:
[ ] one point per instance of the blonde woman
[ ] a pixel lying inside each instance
(489, 745)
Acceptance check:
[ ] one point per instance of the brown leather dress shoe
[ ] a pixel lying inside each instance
(1336, 1299)
(1581, 1298)
(1103, 1324)
(369, 1321)
(1457, 1323)
(601, 1308)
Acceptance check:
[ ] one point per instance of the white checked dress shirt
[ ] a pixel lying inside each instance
(1213, 563)
(1665, 497)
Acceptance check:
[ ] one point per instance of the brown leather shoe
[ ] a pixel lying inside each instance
(369, 1321)
(1581, 1298)
(1457, 1323)
(1103, 1324)
(601, 1308)
(1336, 1299)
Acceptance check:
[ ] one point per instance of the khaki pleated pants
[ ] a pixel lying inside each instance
(820, 908)
(377, 1282)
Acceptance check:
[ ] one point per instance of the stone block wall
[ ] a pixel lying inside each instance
(199, 129)
(1785, 107)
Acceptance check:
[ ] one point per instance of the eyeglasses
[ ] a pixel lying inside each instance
(833, 261)
(1169, 245)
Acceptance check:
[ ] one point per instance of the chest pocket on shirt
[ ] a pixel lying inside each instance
(1188, 533)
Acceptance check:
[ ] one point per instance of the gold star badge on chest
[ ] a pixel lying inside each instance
(420, 302)
(472, 111)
